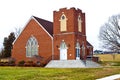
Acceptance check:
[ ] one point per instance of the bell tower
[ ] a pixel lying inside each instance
(69, 30)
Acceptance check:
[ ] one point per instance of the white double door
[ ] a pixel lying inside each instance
(63, 54)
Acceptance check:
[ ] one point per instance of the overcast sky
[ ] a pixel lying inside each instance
(16, 13)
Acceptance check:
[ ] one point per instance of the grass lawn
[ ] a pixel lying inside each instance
(37, 73)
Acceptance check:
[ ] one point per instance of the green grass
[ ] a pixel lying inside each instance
(37, 73)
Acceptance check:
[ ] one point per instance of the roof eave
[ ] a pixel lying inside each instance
(23, 29)
(32, 17)
(43, 28)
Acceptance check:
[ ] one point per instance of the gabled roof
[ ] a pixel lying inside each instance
(88, 44)
(46, 24)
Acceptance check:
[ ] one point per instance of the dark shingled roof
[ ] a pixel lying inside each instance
(88, 44)
(46, 24)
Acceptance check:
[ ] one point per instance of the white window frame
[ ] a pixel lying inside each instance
(77, 50)
(32, 47)
(79, 24)
(63, 23)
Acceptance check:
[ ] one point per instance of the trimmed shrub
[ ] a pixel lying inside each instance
(21, 63)
(29, 63)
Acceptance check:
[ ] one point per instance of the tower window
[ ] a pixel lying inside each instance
(63, 23)
(63, 17)
(79, 24)
(79, 18)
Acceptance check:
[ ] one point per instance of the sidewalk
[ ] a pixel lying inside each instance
(113, 77)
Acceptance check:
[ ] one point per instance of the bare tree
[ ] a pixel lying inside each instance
(110, 34)
(17, 31)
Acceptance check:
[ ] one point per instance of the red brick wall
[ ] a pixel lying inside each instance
(81, 38)
(72, 22)
(71, 35)
(44, 41)
(69, 40)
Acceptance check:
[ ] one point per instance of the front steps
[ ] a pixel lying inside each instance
(72, 64)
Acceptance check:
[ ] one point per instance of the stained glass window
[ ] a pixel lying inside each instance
(31, 47)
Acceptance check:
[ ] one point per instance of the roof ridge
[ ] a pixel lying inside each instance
(88, 44)
(42, 19)
(48, 26)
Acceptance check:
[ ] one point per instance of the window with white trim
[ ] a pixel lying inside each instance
(31, 47)
(83, 49)
(77, 50)
(63, 23)
(79, 24)
(63, 45)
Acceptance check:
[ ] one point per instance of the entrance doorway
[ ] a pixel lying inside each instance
(63, 51)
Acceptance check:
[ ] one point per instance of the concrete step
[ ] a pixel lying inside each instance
(71, 64)
(92, 64)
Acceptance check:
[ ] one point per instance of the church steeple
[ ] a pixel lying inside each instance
(69, 20)
(69, 25)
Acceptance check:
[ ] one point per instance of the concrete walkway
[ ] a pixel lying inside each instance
(113, 77)
(72, 64)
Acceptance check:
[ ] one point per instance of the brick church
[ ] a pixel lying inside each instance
(63, 39)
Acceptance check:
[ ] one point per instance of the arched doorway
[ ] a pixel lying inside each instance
(63, 50)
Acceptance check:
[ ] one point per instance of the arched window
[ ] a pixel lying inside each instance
(31, 47)
(83, 49)
(79, 24)
(63, 23)
(63, 45)
(77, 50)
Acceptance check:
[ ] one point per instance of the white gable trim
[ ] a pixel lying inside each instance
(26, 26)
(43, 28)
(22, 29)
